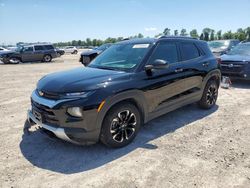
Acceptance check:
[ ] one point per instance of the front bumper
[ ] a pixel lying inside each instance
(52, 116)
(59, 132)
(236, 71)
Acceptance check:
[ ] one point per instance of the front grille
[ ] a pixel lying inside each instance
(231, 67)
(49, 95)
(47, 115)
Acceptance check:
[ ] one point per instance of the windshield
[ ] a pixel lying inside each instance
(219, 44)
(121, 57)
(19, 49)
(240, 49)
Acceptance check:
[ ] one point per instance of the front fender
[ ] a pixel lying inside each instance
(135, 95)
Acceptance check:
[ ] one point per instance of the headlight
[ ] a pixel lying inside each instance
(75, 111)
(77, 94)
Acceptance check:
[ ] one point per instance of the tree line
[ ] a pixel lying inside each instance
(207, 34)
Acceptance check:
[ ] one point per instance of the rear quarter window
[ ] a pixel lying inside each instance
(48, 47)
(189, 51)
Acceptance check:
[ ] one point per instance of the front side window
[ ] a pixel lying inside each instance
(165, 51)
(28, 49)
(121, 57)
(189, 51)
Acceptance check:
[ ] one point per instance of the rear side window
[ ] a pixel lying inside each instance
(165, 51)
(48, 47)
(38, 48)
(189, 51)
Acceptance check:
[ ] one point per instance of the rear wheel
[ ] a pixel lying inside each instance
(210, 95)
(47, 58)
(120, 125)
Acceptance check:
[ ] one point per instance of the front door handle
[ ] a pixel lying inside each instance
(178, 70)
(205, 64)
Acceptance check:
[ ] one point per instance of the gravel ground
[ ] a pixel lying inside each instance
(188, 147)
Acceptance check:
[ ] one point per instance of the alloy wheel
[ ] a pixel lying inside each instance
(123, 126)
(212, 94)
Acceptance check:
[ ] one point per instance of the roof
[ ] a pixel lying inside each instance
(138, 41)
(153, 40)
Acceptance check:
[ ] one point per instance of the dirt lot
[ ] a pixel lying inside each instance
(185, 148)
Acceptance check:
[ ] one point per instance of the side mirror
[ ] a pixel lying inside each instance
(158, 64)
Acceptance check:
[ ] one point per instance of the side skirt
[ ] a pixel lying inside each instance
(175, 104)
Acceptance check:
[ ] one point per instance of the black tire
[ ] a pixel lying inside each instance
(210, 95)
(121, 125)
(47, 58)
(75, 52)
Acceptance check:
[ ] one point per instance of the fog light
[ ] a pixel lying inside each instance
(75, 111)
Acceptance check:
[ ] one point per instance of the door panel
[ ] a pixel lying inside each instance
(176, 83)
(28, 54)
(161, 88)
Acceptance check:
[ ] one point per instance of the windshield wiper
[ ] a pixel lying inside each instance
(106, 68)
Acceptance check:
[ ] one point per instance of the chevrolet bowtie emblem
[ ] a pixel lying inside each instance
(40, 93)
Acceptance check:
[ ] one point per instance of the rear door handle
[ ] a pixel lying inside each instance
(178, 70)
(205, 64)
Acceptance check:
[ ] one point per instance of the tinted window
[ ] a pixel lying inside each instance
(189, 51)
(37, 48)
(48, 47)
(28, 49)
(165, 51)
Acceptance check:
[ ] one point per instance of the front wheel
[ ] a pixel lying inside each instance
(14, 60)
(120, 125)
(210, 95)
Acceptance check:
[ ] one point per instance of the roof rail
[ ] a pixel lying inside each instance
(125, 39)
(179, 37)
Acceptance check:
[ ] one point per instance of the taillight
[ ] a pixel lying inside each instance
(218, 60)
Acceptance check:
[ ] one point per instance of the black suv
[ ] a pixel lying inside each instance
(129, 84)
(87, 56)
(30, 53)
(236, 63)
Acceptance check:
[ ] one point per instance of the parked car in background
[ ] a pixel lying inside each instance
(3, 49)
(220, 47)
(129, 84)
(71, 49)
(30, 53)
(87, 56)
(60, 52)
(236, 63)
(12, 48)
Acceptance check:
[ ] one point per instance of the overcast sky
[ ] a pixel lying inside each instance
(66, 20)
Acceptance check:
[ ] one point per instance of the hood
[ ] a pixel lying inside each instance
(79, 79)
(90, 52)
(8, 52)
(228, 57)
